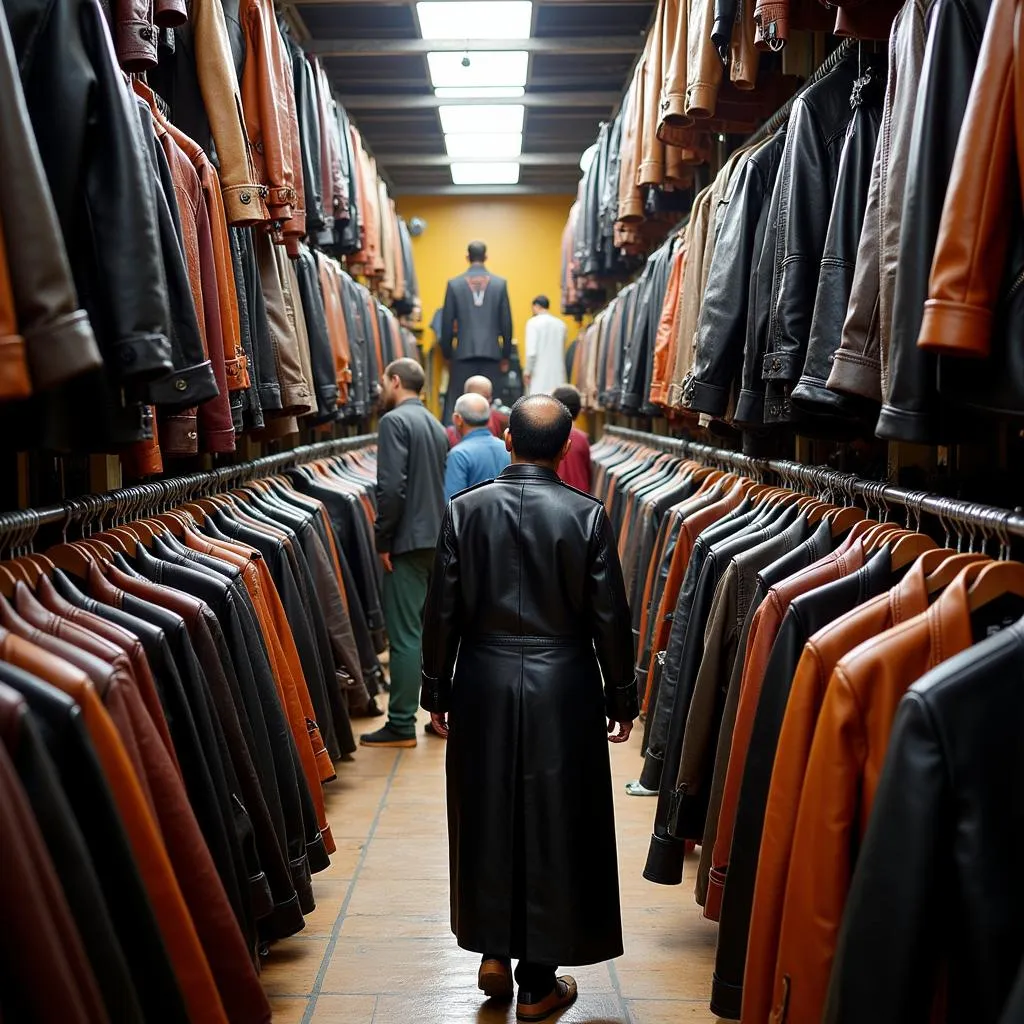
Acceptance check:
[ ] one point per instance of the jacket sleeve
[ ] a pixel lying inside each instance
(505, 319)
(392, 479)
(974, 233)
(610, 624)
(722, 325)
(58, 338)
(442, 614)
(883, 967)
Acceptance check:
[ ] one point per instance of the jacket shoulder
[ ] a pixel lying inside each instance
(583, 494)
(469, 490)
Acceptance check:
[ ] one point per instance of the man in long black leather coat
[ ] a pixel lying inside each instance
(527, 594)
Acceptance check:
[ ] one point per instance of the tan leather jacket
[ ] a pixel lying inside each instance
(631, 204)
(243, 190)
(266, 88)
(651, 170)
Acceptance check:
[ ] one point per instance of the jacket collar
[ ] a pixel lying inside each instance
(528, 471)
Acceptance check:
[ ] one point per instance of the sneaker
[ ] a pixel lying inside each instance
(386, 737)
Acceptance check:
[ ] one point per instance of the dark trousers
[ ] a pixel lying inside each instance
(459, 371)
(405, 593)
(535, 981)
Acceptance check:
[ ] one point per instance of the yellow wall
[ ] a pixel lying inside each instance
(524, 245)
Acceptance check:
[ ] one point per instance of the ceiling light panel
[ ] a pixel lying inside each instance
(502, 67)
(481, 118)
(476, 19)
(486, 145)
(482, 92)
(485, 174)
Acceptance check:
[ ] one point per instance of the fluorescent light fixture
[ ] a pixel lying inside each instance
(467, 119)
(476, 19)
(491, 145)
(486, 67)
(485, 174)
(483, 92)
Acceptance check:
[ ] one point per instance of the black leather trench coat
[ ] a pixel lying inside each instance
(526, 611)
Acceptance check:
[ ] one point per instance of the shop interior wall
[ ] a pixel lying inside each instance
(524, 245)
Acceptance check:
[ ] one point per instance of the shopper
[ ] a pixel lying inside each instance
(480, 456)
(527, 594)
(545, 350)
(575, 467)
(498, 421)
(478, 314)
(411, 452)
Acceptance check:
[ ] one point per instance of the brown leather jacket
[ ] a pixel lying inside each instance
(821, 654)
(764, 629)
(651, 170)
(843, 769)
(975, 232)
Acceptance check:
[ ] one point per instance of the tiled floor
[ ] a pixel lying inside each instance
(378, 949)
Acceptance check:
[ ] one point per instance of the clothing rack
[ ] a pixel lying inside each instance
(984, 519)
(18, 528)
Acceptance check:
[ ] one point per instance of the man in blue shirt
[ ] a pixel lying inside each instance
(479, 455)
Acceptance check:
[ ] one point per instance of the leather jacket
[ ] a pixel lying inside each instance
(911, 409)
(839, 258)
(843, 773)
(975, 298)
(722, 327)
(956, 730)
(561, 640)
(807, 184)
(857, 365)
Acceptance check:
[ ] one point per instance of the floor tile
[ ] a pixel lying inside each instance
(335, 1009)
(288, 1009)
(665, 1011)
(292, 966)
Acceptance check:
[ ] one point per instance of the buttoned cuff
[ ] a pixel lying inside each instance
(189, 386)
(237, 373)
(771, 26)
(811, 395)
(665, 858)
(179, 433)
(435, 694)
(143, 355)
(62, 349)
(955, 328)
(749, 408)
(699, 396)
(701, 98)
(631, 209)
(244, 204)
(674, 126)
(136, 44)
(782, 366)
(221, 441)
(14, 377)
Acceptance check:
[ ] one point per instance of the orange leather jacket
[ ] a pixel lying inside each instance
(821, 654)
(975, 231)
(763, 631)
(843, 770)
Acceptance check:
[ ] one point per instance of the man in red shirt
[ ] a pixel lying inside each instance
(575, 467)
(480, 385)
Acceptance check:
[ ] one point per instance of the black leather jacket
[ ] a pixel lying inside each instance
(937, 888)
(807, 184)
(722, 327)
(835, 281)
(912, 410)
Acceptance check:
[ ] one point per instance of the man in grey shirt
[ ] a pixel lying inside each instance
(411, 451)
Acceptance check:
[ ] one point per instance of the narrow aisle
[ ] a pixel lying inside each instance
(378, 949)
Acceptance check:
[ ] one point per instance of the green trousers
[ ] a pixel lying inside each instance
(405, 592)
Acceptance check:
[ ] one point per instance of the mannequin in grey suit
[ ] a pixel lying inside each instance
(477, 313)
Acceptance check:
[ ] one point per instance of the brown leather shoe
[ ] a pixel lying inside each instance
(563, 995)
(495, 979)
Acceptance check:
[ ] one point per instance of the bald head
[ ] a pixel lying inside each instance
(480, 385)
(539, 428)
(473, 410)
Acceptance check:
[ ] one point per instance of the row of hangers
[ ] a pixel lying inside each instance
(989, 578)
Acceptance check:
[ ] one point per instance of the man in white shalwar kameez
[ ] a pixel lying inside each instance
(545, 350)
